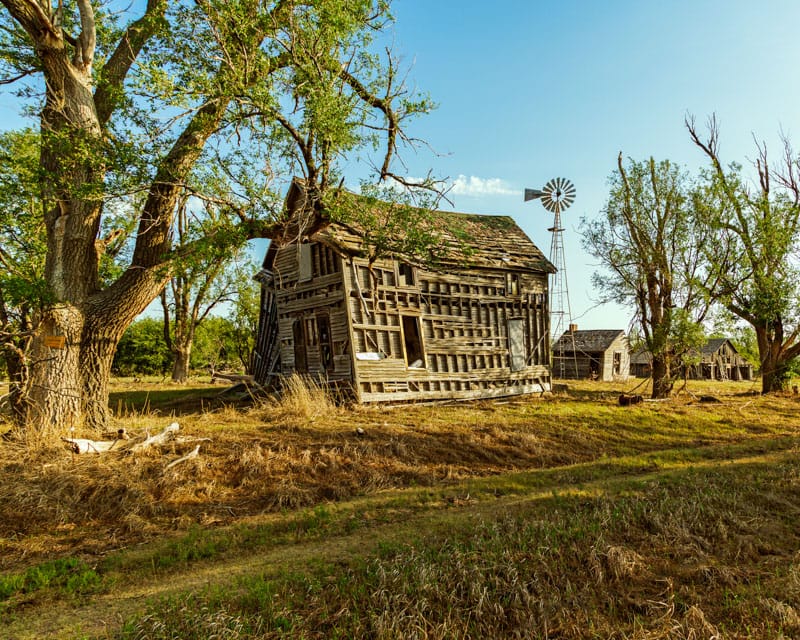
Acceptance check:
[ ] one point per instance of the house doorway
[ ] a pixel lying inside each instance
(325, 342)
(300, 356)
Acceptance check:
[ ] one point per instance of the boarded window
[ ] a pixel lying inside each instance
(412, 339)
(617, 363)
(516, 343)
(305, 266)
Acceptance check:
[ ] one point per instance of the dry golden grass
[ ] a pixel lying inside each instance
(277, 458)
(304, 450)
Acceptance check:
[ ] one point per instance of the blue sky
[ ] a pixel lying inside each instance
(529, 91)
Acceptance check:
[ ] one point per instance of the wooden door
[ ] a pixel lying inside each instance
(516, 343)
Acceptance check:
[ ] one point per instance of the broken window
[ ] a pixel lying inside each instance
(405, 275)
(412, 340)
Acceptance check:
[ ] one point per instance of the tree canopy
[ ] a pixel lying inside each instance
(225, 99)
(649, 243)
(755, 249)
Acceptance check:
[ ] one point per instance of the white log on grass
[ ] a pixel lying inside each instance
(82, 445)
(161, 438)
(192, 454)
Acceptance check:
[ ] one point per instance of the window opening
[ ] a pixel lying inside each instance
(405, 275)
(299, 335)
(512, 284)
(412, 339)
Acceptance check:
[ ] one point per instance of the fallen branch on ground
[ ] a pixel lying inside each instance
(165, 436)
(192, 454)
(83, 445)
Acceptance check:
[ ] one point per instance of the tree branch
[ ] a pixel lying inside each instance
(119, 63)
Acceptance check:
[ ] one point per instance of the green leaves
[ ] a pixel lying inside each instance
(651, 243)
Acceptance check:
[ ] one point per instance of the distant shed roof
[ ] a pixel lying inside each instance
(715, 344)
(588, 340)
(712, 346)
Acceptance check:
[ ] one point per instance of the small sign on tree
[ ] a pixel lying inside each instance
(55, 342)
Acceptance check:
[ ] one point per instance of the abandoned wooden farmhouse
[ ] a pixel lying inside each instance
(718, 360)
(472, 324)
(595, 354)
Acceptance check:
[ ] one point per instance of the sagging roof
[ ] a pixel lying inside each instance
(461, 239)
(588, 340)
(712, 346)
(715, 344)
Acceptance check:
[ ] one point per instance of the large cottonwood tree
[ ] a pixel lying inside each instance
(756, 252)
(649, 243)
(254, 90)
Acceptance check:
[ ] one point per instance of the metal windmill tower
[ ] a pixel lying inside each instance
(556, 196)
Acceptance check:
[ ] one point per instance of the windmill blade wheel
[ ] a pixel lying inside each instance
(558, 194)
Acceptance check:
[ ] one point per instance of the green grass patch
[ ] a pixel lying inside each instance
(691, 552)
(67, 576)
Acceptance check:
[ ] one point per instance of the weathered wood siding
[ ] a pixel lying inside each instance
(456, 325)
(309, 293)
(723, 364)
(617, 360)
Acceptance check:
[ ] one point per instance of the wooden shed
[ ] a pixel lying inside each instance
(597, 354)
(719, 360)
(474, 325)
(641, 363)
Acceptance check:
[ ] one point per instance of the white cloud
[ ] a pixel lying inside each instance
(473, 186)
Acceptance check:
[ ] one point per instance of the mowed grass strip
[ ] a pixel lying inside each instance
(689, 552)
(274, 459)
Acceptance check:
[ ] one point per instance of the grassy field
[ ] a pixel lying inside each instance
(564, 516)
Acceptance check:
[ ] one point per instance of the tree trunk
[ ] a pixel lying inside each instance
(55, 387)
(71, 357)
(16, 368)
(774, 363)
(662, 377)
(180, 367)
(774, 358)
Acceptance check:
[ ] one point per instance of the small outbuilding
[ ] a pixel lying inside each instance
(641, 363)
(596, 354)
(475, 324)
(720, 360)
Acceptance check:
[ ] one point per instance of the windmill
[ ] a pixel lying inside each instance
(556, 196)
